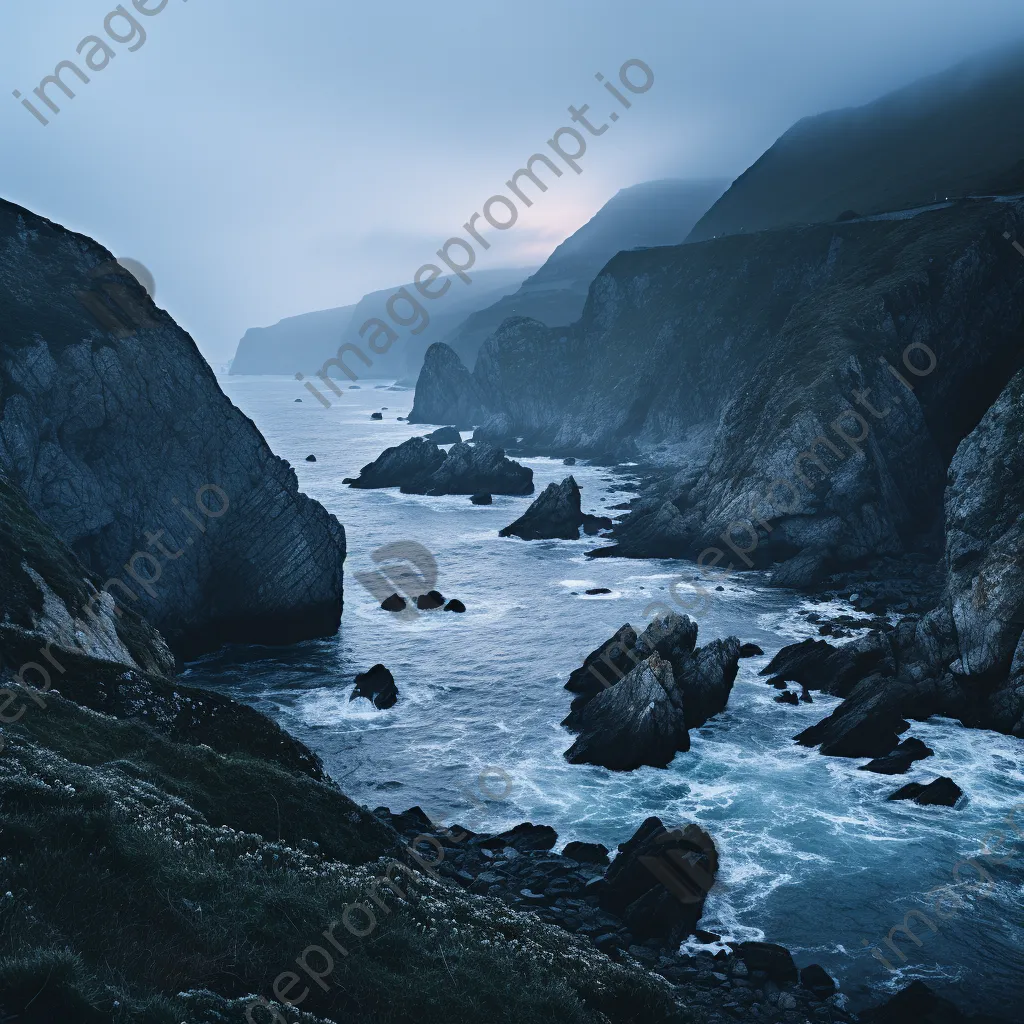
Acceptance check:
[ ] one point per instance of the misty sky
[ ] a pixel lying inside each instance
(266, 158)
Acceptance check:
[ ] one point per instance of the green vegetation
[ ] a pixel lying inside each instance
(145, 880)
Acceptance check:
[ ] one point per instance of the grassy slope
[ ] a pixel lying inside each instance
(148, 883)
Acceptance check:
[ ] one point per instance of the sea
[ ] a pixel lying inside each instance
(813, 856)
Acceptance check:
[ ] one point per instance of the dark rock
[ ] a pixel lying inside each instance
(633, 723)
(394, 603)
(916, 1004)
(311, 458)
(354, 387)
(704, 936)
(454, 605)
(817, 980)
(750, 651)
(376, 415)
(819, 665)
(410, 463)
(868, 724)
(430, 600)
(444, 435)
(569, 461)
(900, 760)
(598, 590)
(555, 513)
(586, 853)
(775, 961)
(481, 499)
(789, 697)
(660, 688)
(658, 882)
(523, 837)
(378, 686)
(477, 468)
(298, 399)
(943, 792)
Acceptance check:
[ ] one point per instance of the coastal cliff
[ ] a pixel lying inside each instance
(114, 428)
(801, 392)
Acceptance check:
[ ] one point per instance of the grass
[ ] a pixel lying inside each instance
(154, 881)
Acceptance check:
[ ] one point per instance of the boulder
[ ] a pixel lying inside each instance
(454, 605)
(789, 697)
(942, 792)
(596, 591)
(569, 461)
(311, 458)
(408, 463)
(554, 515)
(430, 600)
(918, 1004)
(523, 837)
(587, 853)
(900, 760)
(481, 499)
(378, 686)
(658, 882)
(750, 651)
(775, 961)
(444, 435)
(818, 981)
(394, 603)
(376, 415)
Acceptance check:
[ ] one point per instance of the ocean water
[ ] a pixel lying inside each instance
(812, 854)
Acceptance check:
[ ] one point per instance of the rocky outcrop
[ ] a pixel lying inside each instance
(115, 430)
(377, 685)
(445, 391)
(661, 687)
(859, 356)
(418, 466)
(965, 658)
(556, 515)
(900, 760)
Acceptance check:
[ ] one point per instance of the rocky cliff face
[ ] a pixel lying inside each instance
(806, 389)
(115, 430)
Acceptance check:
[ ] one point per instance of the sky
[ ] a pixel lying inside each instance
(266, 158)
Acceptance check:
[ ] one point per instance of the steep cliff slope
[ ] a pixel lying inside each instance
(115, 430)
(649, 214)
(956, 133)
(808, 387)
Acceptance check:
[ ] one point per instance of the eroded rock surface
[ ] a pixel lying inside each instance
(556, 514)
(114, 428)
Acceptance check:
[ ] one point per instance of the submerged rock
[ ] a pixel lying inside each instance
(378, 686)
(555, 514)
(481, 499)
(638, 697)
(942, 792)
